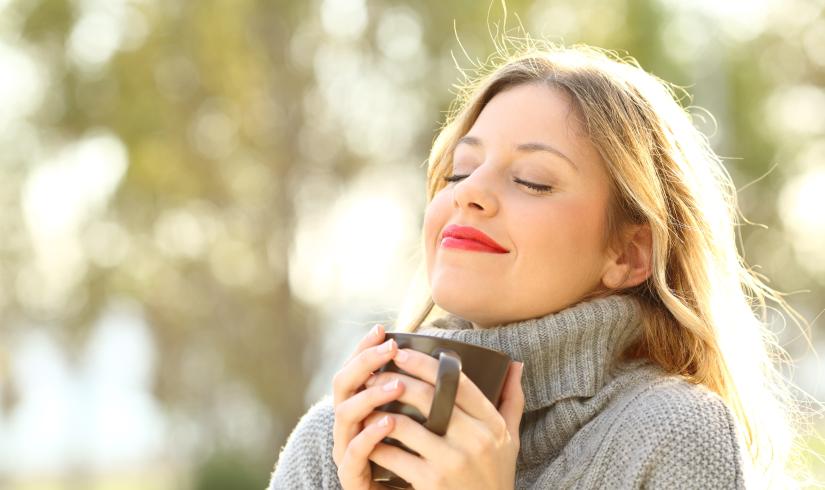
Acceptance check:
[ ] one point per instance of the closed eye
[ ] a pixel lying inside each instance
(538, 187)
(531, 185)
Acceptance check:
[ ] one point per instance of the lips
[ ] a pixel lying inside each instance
(469, 238)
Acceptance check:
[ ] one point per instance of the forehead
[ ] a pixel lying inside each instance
(536, 113)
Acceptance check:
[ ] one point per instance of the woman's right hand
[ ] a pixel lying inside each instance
(352, 442)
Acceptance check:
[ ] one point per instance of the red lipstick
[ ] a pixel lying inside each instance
(469, 238)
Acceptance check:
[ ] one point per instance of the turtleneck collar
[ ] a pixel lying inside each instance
(565, 354)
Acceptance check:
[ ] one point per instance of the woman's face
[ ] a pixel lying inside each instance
(553, 248)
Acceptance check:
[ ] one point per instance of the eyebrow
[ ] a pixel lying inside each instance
(523, 147)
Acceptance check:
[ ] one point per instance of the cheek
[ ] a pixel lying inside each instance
(567, 237)
(435, 218)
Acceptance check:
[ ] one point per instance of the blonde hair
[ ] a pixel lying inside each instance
(701, 301)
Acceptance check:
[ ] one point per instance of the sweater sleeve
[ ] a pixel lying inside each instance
(305, 461)
(680, 436)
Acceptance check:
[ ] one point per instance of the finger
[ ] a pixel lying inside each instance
(350, 413)
(408, 466)
(356, 371)
(374, 337)
(354, 465)
(512, 399)
(415, 436)
(462, 430)
(469, 397)
(417, 393)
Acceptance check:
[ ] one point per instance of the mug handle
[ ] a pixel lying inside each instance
(446, 387)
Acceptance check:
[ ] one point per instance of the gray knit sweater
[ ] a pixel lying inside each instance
(589, 421)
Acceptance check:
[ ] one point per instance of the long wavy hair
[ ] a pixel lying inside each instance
(704, 311)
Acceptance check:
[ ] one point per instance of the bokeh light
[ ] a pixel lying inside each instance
(205, 204)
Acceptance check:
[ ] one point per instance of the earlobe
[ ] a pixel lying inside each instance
(615, 277)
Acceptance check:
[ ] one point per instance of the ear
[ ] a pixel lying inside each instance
(630, 264)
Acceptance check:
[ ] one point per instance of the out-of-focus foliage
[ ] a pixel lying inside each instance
(223, 470)
(167, 153)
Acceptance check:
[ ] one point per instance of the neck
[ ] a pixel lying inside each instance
(566, 354)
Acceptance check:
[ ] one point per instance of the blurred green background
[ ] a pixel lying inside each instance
(204, 204)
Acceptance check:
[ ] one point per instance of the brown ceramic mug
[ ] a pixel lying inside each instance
(487, 368)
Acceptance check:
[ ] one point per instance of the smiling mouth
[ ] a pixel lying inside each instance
(469, 245)
(462, 237)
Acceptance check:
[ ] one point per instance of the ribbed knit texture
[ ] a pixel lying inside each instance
(590, 420)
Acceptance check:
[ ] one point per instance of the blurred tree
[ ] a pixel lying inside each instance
(227, 469)
(230, 111)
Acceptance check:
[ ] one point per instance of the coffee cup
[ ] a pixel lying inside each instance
(486, 368)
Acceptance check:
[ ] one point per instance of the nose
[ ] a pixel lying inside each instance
(477, 192)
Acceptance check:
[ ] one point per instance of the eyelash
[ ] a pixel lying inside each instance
(536, 187)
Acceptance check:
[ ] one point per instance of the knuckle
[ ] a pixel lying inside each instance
(483, 444)
(360, 361)
(461, 459)
(342, 412)
(499, 428)
(438, 479)
(354, 448)
(344, 466)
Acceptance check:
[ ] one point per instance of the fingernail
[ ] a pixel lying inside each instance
(385, 421)
(391, 385)
(376, 331)
(520, 369)
(401, 355)
(385, 347)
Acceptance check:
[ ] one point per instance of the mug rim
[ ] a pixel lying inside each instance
(453, 342)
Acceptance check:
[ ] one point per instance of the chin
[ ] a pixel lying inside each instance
(465, 301)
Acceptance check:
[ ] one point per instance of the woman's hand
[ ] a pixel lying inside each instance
(480, 447)
(352, 441)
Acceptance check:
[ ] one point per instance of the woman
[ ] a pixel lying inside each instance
(579, 222)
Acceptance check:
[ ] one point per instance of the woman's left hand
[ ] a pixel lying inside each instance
(480, 447)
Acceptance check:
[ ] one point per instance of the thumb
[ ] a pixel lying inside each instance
(512, 398)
